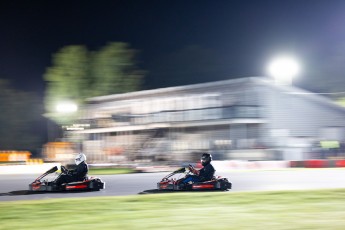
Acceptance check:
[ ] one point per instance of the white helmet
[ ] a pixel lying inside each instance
(80, 158)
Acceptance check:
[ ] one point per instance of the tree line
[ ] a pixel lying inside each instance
(76, 73)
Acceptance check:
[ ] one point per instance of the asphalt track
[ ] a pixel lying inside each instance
(14, 187)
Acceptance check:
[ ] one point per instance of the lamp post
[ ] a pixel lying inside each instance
(283, 70)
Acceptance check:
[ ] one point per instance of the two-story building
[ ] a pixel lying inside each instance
(247, 118)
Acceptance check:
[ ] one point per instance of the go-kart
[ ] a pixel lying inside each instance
(169, 183)
(88, 184)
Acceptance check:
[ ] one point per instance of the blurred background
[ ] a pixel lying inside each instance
(156, 82)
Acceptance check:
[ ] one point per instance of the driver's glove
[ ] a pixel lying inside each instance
(192, 169)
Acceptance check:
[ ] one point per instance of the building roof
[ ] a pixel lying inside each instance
(259, 80)
(293, 90)
(167, 90)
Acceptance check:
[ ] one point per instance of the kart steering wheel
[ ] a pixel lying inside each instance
(64, 170)
(191, 169)
(188, 171)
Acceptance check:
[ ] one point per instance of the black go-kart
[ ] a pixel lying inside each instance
(88, 184)
(169, 183)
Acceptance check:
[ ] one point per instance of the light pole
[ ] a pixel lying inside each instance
(283, 69)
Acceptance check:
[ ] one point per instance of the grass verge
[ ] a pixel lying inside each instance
(314, 209)
(109, 171)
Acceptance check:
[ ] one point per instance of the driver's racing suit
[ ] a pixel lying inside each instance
(204, 174)
(77, 174)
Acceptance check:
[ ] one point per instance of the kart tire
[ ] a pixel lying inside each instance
(94, 186)
(224, 184)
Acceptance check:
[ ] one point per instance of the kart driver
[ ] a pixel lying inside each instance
(78, 174)
(204, 174)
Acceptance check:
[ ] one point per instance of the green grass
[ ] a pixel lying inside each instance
(108, 171)
(314, 209)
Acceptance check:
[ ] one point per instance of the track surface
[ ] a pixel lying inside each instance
(14, 187)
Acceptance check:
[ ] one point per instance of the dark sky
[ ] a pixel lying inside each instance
(180, 42)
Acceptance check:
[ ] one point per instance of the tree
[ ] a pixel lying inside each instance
(77, 74)
(113, 70)
(19, 118)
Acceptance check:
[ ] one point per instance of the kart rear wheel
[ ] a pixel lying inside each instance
(224, 184)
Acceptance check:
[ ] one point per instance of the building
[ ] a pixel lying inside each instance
(248, 119)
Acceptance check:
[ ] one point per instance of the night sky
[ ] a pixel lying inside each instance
(179, 42)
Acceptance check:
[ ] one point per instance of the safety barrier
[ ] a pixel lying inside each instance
(27, 169)
(239, 164)
(34, 161)
(317, 163)
(220, 166)
(10, 156)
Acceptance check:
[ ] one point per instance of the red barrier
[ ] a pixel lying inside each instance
(316, 164)
(296, 164)
(340, 163)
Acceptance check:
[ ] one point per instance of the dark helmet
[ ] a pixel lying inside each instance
(206, 158)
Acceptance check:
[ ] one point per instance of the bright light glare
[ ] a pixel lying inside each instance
(283, 69)
(66, 107)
